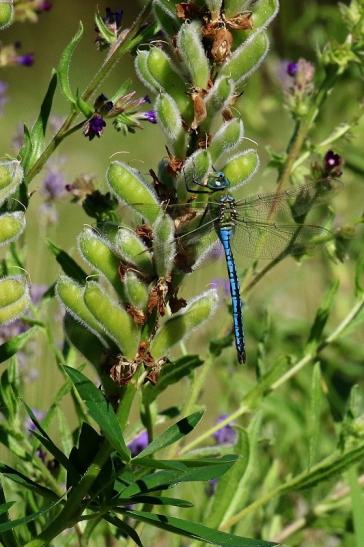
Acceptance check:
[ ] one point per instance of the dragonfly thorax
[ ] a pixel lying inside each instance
(227, 211)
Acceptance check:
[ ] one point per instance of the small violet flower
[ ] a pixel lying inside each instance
(25, 60)
(292, 69)
(113, 19)
(211, 487)
(3, 96)
(138, 444)
(149, 116)
(29, 425)
(53, 185)
(332, 164)
(225, 435)
(44, 5)
(221, 284)
(94, 126)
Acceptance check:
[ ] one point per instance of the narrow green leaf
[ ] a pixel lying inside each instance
(18, 522)
(25, 152)
(38, 131)
(12, 346)
(159, 500)
(68, 265)
(103, 30)
(359, 274)
(8, 539)
(195, 531)
(64, 66)
(100, 410)
(126, 530)
(4, 507)
(171, 374)
(322, 314)
(357, 500)
(315, 414)
(21, 479)
(173, 434)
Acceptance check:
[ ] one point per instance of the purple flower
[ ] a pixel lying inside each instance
(138, 444)
(44, 6)
(113, 18)
(211, 487)
(3, 95)
(94, 126)
(221, 284)
(53, 185)
(292, 69)
(332, 164)
(13, 329)
(225, 435)
(29, 424)
(26, 60)
(36, 292)
(149, 116)
(146, 99)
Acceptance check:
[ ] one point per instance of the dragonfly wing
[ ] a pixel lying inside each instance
(267, 240)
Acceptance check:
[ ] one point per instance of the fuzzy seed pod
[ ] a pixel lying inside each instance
(165, 14)
(183, 323)
(164, 248)
(11, 227)
(196, 168)
(170, 121)
(241, 168)
(234, 7)
(113, 319)
(6, 13)
(136, 291)
(14, 298)
(133, 251)
(193, 54)
(227, 139)
(11, 175)
(217, 99)
(128, 185)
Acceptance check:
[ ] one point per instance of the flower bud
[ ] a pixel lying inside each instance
(193, 54)
(164, 248)
(247, 58)
(132, 249)
(170, 120)
(136, 291)
(165, 14)
(98, 253)
(11, 175)
(6, 13)
(113, 318)
(241, 168)
(70, 294)
(127, 184)
(227, 139)
(11, 227)
(183, 323)
(14, 298)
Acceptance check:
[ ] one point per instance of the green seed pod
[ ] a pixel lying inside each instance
(234, 7)
(113, 318)
(136, 291)
(217, 99)
(193, 54)
(215, 8)
(264, 11)
(170, 121)
(14, 298)
(183, 323)
(241, 168)
(144, 75)
(227, 139)
(247, 58)
(127, 184)
(165, 14)
(11, 175)
(164, 248)
(132, 249)
(165, 175)
(70, 294)
(11, 227)
(98, 253)
(162, 70)
(196, 168)
(6, 13)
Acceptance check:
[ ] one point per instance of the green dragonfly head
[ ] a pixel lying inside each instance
(217, 181)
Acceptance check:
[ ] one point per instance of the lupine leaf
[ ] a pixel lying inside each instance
(8, 539)
(159, 500)
(12, 346)
(64, 66)
(21, 479)
(171, 374)
(315, 415)
(126, 530)
(322, 314)
(100, 410)
(18, 522)
(68, 265)
(172, 434)
(39, 128)
(195, 531)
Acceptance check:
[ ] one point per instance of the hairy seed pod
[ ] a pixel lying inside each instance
(133, 251)
(246, 59)
(11, 227)
(164, 249)
(98, 253)
(70, 294)
(227, 139)
(14, 298)
(143, 72)
(136, 291)
(264, 11)
(217, 99)
(169, 119)
(183, 323)
(11, 175)
(241, 168)
(162, 70)
(195, 168)
(113, 319)
(193, 54)
(234, 7)
(6, 13)
(130, 188)
(165, 14)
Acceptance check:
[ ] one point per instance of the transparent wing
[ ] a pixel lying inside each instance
(267, 240)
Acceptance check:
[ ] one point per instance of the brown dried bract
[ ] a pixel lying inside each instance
(221, 45)
(158, 296)
(144, 356)
(123, 370)
(187, 10)
(145, 232)
(138, 316)
(242, 21)
(199, 107)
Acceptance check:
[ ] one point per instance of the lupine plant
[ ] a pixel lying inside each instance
(285, 463)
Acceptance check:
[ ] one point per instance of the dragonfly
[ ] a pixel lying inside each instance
(260, 227)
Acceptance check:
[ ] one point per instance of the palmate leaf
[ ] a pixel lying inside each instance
(100, 410)
(195, 531)
(172, 434)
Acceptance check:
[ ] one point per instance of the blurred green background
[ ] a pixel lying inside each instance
(291, 293)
